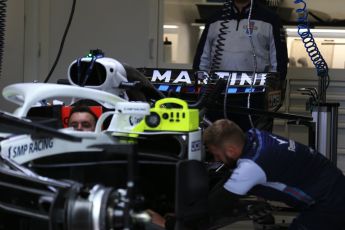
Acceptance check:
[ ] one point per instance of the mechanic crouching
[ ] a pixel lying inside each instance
(277, 169)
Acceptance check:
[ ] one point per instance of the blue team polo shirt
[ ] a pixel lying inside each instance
(280, 169)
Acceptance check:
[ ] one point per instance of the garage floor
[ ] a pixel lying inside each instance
(241, 225)
(281, 219)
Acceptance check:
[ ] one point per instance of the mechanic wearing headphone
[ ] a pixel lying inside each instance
(237, 54)
(277, 169)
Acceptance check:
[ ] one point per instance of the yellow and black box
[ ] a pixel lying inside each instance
(170, 114)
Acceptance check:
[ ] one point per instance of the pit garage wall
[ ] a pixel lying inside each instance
(295, 103)
(12, 65)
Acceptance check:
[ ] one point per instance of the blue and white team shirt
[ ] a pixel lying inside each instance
(267, 34)
(279, 169)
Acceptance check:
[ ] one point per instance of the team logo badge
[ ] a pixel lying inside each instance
(250, 28)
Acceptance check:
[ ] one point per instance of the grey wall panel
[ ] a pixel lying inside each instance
(12, 66)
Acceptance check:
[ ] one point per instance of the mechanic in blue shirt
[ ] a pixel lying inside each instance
(279, 169)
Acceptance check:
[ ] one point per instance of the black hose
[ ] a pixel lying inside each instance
(210, 89)
(2, 30)
(210, 93)
(218, 53)
(62, 42)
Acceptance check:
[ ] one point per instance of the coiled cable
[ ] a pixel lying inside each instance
(217, 57)
(310, 45)
(314, 54)
(218, 53)
(2, 30)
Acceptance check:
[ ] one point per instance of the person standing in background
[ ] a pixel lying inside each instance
(261, 47)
